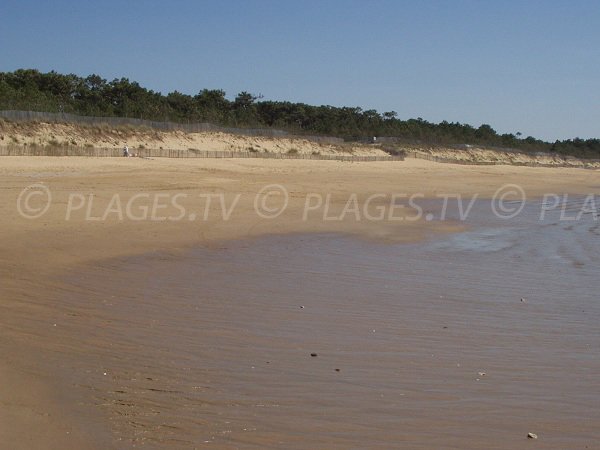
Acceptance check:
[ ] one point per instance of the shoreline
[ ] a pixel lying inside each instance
(37, 250)
(119, 393)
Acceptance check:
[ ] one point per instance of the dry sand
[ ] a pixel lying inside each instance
(35, 410)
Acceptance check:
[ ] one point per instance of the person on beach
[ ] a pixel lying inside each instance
(126, 151)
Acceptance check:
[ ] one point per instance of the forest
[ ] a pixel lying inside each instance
(32, 90)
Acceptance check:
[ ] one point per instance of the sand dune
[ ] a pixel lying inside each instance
(104, 136)
(140, 138)
(477, 155)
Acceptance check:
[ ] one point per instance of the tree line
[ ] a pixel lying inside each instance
(29, 89)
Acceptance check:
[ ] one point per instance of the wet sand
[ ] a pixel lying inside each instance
(146, 337)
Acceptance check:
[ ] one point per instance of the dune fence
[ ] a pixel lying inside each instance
(18, 150)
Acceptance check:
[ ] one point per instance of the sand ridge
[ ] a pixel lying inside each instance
(49, 135)
(138, 138)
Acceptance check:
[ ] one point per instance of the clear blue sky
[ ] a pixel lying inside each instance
(528, 66)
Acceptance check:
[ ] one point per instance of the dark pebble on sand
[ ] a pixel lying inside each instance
(313, 355)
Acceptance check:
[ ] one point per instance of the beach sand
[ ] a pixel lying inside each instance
(48, 404)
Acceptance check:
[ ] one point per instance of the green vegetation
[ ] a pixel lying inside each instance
(31, 90)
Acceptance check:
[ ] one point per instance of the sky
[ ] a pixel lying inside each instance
(521, 66)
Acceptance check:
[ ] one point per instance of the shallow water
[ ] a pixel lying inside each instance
(424, 345)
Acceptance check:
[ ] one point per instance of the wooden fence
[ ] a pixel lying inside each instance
(17, 150)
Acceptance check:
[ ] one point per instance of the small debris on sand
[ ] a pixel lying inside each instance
(523, 299)
(314, 355)
(532, 435)
(337, 370)
(481, 374)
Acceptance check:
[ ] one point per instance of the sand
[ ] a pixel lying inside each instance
(36, 252)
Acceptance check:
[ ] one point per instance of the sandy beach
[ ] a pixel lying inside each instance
(85, 237)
